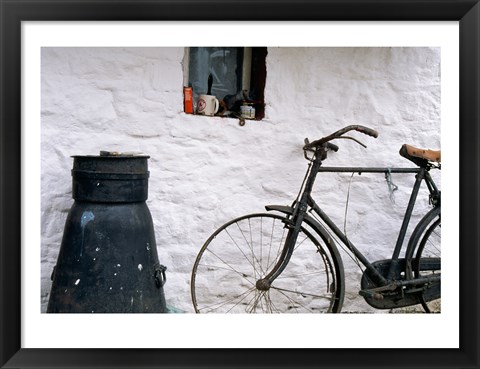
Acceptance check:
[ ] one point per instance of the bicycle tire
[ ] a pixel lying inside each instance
(424, 255)
(243, 250)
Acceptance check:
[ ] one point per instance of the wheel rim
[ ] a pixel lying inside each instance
(227, 271)
(427, 263)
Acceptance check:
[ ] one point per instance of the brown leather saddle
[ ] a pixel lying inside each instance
(422, 157)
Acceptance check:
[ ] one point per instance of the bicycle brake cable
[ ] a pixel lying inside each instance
(354, 258)
(304, 180)
(334, 236)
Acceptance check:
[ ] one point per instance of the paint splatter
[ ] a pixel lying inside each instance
(87, 217)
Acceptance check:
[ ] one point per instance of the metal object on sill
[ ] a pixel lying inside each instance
(247, 111)
(108, 260)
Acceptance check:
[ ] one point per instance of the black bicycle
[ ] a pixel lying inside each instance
(289, 262)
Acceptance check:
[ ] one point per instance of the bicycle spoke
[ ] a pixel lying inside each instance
(280, 245)
(300, 243)
(293, 302)
(303, 294)
(434, 245)
(246, 294)
(299, 275)
(227, 264)
(271, 308)
(256, 298)
(250, 246)
(251, 262)
(264, 272)
(223, 303)
(427, 263)
(327, 264)
(243, 275)
(270, 244)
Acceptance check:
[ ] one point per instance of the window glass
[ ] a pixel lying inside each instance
(223, 63)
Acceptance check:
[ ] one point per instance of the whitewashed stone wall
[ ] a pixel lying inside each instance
(204, 171)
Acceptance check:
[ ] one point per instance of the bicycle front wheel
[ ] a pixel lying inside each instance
(244, 250)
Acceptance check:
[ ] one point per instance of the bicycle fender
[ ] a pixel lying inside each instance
(281, 208)
(319, 229)
(417, 232)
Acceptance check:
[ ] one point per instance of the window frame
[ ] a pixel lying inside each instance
(253, 75)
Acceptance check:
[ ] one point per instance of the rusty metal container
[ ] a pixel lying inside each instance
(108, 260)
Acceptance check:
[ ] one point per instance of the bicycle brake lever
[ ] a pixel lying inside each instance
(354, 139)
(305, 149)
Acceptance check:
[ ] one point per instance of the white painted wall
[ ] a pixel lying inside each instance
(205, 171)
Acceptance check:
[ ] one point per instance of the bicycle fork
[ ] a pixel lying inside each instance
(294, 227)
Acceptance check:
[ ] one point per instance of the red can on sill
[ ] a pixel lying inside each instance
(188, 100)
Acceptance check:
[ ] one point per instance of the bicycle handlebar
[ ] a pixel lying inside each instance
(339, 134)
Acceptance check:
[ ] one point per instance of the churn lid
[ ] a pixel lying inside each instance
(110, 177)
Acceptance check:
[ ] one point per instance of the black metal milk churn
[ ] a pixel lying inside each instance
(108, 260)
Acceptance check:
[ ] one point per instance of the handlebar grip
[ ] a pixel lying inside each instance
(332, 147)
(367, 131)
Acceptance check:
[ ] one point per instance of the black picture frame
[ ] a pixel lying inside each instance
(12, 13)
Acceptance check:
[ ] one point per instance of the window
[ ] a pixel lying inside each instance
(237, 76)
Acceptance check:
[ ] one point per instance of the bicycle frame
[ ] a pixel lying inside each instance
(422, 174)
(306, 200)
